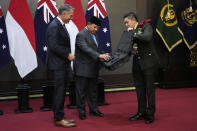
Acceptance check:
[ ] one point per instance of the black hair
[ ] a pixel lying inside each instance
(130, 15)
(95, 20)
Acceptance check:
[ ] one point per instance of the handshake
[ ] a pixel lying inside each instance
(121, 55)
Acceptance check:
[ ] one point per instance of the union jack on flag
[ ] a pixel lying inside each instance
(97, 8)
(46, 11)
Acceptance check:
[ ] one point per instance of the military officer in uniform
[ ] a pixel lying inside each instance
(145, 64)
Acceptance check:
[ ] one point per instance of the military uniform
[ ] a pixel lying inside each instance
(144, 68)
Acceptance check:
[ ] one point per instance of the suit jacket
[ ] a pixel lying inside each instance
(58, 48)
(86, 61)
(146, 56)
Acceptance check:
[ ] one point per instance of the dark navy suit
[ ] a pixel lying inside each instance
(58, 49)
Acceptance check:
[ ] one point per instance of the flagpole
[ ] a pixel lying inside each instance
(168, 15)
(23, 97)
(22, 81)
(190, 8)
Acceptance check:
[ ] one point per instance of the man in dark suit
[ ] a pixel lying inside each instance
(86, 67)
(144, 67)
(58, 60)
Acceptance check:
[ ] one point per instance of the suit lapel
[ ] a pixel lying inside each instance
(63, 29)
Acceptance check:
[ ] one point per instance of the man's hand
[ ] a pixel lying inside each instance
(104, 56)
(71, 57)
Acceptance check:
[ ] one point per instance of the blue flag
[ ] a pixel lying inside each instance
(97, 8)
(188, 23)
(4, 46)
(45, 12)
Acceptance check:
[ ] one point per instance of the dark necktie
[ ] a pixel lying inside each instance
(64, 26)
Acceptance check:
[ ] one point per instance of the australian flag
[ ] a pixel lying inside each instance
(45, 12)
(97, 8)
(4, 46)
(188, 23)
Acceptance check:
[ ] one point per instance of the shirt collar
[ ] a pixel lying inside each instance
(60, 20)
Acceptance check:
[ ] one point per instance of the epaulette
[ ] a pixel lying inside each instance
(142, 23)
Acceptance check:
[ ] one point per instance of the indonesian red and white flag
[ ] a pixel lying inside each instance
(77, 23)
(21, 36)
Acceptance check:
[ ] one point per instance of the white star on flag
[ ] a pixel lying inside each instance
(108, 44)
(105, 30)
(4, 46)
(45, 48)
(1, 31)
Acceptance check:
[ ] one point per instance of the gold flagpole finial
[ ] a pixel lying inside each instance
(168, 13)
(190, 7)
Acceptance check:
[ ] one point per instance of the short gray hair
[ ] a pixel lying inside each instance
(65, 7)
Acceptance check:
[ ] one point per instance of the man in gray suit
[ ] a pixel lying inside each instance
(86, 67)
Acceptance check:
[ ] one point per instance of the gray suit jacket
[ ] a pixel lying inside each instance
(86, 61)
